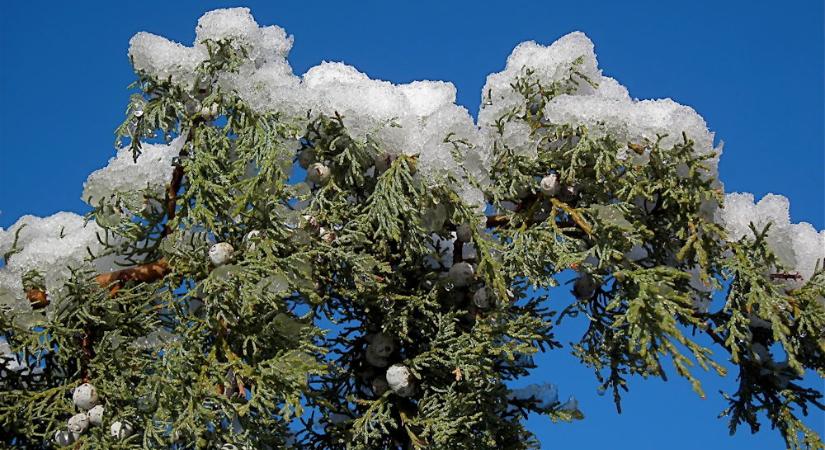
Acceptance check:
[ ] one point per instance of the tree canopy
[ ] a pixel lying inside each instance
(332, 261)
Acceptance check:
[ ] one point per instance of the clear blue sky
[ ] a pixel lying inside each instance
(753, 69)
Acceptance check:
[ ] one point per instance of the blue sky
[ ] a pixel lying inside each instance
(753, 69)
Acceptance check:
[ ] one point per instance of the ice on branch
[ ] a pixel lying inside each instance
(125, 176)
(548, 64)
(610, 88)
(237, 24)
(266, 82)
(51, 246)
(369, 105)
(164, 59)
(412, 119)
(365, 104)
(597, 102)
(546, 395)
(636, 122)
(240, 257)
(797, 245)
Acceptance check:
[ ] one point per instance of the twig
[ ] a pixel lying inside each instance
(786, 276)
(88, 353)
(574, 214)
(172, 196)
(498, 220)
(37, 298)
(501, 220)
(143, 273)
(458, 251)
(177, 178)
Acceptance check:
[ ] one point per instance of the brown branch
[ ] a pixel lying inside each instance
(786, 276)
(177, 178)
(37, 298)
(143, 273)
(574, 214)
(172, 196)
(88, 353)
(115, 280)
(497, 220)
(155, 270)
(458, 251)
(501, 221)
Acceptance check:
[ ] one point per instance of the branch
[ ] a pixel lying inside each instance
(574, 214)
(497, 220)
(172, 195)
(501, 220)
(143, 273)
(177, 177)
(37, 298)
(458, 251)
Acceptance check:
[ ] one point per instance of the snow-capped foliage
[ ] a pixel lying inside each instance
(797, 245)
(125, 176)
(413, 118)
(51, 246)
(545, 394)
(280, 202)
(632, 121)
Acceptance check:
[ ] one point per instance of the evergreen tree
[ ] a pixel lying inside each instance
(331, 261)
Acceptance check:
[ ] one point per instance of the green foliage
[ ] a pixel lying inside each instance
(791, 319)
(272, 349)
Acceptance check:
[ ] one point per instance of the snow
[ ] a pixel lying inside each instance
(151, 171)
(632, 121)
(545, 394)
(798, 246)
(740, 211)
(267, 43)
(412, 118)
(164, 59)
(426, 97)
(549, 64)
(363, 102)
(624, 120)
(610, 88)
(604, 110)
(50, 245)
